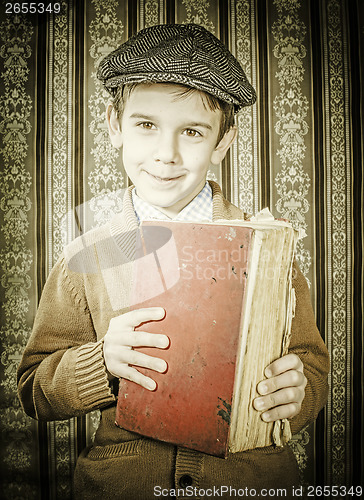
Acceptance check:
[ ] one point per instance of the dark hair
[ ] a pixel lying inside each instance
(209, 101)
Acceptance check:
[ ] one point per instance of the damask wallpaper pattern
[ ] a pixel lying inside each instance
(299, 150)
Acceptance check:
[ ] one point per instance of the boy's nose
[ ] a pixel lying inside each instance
(166, 149)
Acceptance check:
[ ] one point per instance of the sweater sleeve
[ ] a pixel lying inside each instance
(62, 373)
(307, 343)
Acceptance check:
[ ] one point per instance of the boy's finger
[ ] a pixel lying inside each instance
(136, 358)
(291, 378)
(132, 374)
(278, 398)
(135, 318)
(283, 364)
(279, 412)
(144, 339)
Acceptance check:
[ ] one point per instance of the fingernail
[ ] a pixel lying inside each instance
(258, 403)
(162, 366)
(151, 385)
(263, 388)
(164, 342)
(268, 373)
(266, 416)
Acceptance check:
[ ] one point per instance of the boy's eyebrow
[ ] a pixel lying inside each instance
(140, 116)
(200, 124)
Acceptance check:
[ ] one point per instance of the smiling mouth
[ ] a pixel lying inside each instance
(164, 179)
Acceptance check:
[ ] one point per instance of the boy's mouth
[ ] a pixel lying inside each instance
(164, 180)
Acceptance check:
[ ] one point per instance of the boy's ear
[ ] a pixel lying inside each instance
(114, 127)
(222, 148)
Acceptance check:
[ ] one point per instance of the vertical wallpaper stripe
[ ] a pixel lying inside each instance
(291, 167)
(50, 142)
(328, 221)
(357, 112)
(339, 326)
(61, 436)
(254, 79)
(245, 178)
(102, 168)
(18, 457)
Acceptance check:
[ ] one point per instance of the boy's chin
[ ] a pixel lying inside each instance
(168, 203)
(164, 206)
(168, 207)
(162, 201)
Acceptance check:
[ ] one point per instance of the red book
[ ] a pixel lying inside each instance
(199, 274)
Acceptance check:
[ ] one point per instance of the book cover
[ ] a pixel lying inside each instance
(198, 273)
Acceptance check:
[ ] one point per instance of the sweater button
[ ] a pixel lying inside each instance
(185, 481)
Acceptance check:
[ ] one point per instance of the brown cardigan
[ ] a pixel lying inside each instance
(62, 375)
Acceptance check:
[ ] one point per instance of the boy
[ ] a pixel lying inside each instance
(175, 89)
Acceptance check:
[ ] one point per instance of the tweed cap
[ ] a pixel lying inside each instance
(187, 54)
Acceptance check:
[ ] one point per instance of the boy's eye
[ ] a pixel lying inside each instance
(146, 125)
(190, 132)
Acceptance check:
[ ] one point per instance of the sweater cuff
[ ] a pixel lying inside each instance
(91, 377)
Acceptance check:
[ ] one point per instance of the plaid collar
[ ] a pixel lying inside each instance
(200, 208)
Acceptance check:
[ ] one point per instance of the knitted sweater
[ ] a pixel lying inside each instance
(62, 375)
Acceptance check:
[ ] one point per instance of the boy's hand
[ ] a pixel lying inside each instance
(120, 340)
(283, 391)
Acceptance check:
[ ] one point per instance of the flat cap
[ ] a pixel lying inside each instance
(186, 54)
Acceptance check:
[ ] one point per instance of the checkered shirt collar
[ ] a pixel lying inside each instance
(200, 208)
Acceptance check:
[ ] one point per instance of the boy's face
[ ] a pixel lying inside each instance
(168, 144)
